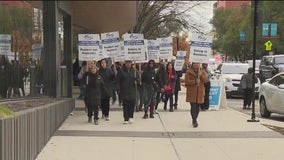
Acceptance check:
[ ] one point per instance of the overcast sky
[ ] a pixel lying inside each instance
(204, 13)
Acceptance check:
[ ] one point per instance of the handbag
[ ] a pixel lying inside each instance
(167, 88)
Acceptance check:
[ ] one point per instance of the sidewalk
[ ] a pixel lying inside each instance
(222, 135)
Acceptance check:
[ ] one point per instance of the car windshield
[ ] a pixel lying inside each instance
(279, 60)
(235, 69)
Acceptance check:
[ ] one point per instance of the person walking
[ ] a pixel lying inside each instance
(126, 81)
(195, 79)
(207, 85)
(169, 88)
(5, 76)
(94, 83)
(108, 77)
(161, 79)
(177, 88)
(149, 83)
(246, 84)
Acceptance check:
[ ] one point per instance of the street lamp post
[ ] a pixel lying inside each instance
(253, 62)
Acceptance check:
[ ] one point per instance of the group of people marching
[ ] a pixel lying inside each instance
(142, 88)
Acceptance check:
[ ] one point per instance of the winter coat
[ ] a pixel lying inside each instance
(161, 76)
(171, 80)
(108, 77)
(149, 77)
(126, 83)
(179, 74)
(194, 92)
(94, 85)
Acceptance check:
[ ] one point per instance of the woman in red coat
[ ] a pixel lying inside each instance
(195, 91)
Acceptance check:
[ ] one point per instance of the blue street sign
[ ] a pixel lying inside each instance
(273, 29)
(265, 29)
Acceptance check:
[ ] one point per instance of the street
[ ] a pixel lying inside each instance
(237, 103)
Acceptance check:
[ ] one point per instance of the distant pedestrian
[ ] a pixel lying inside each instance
(92, 99)
(127, 80)
(246, 85)
(195, 79)
(5, 76)
(207, 85)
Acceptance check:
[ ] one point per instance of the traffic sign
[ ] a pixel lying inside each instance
(268, 45)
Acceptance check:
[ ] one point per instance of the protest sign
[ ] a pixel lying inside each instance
(134, 47)
(200, 50)
(179, 60)
(88, 46)
(111, 43)
(5, 45)
(165, 47)
(152, 49)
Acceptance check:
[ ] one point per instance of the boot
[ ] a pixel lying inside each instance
(171, 109)
(194, 123)
(145, 115)
(151, 115)
(175, 106)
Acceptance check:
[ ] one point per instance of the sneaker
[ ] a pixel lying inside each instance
(156, 111)
(131, 120)
(90, 120)
(107, 119)
(96, 122)
(125, 122)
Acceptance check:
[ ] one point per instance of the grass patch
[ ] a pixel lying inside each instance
(5, 112)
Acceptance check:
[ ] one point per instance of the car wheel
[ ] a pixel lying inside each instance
(263, 110)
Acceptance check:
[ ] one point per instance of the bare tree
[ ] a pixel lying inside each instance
(165, 18)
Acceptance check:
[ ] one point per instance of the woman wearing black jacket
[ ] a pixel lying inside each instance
(108, 77)
(126, 81)
(94, 84)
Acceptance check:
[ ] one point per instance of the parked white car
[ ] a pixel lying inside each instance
(232, 74)
(271, 94)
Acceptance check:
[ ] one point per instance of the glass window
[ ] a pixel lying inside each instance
(21, 46)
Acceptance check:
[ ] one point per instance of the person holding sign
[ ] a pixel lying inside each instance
(195, 78)
(126, 81)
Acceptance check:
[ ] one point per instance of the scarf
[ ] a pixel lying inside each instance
(170, 73)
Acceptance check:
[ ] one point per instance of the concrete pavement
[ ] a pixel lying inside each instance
(224, 135)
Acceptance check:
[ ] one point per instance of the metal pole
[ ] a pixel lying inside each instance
(253, 62)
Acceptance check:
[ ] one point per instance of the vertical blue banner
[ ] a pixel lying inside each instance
(265, 29)
(273, 30)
